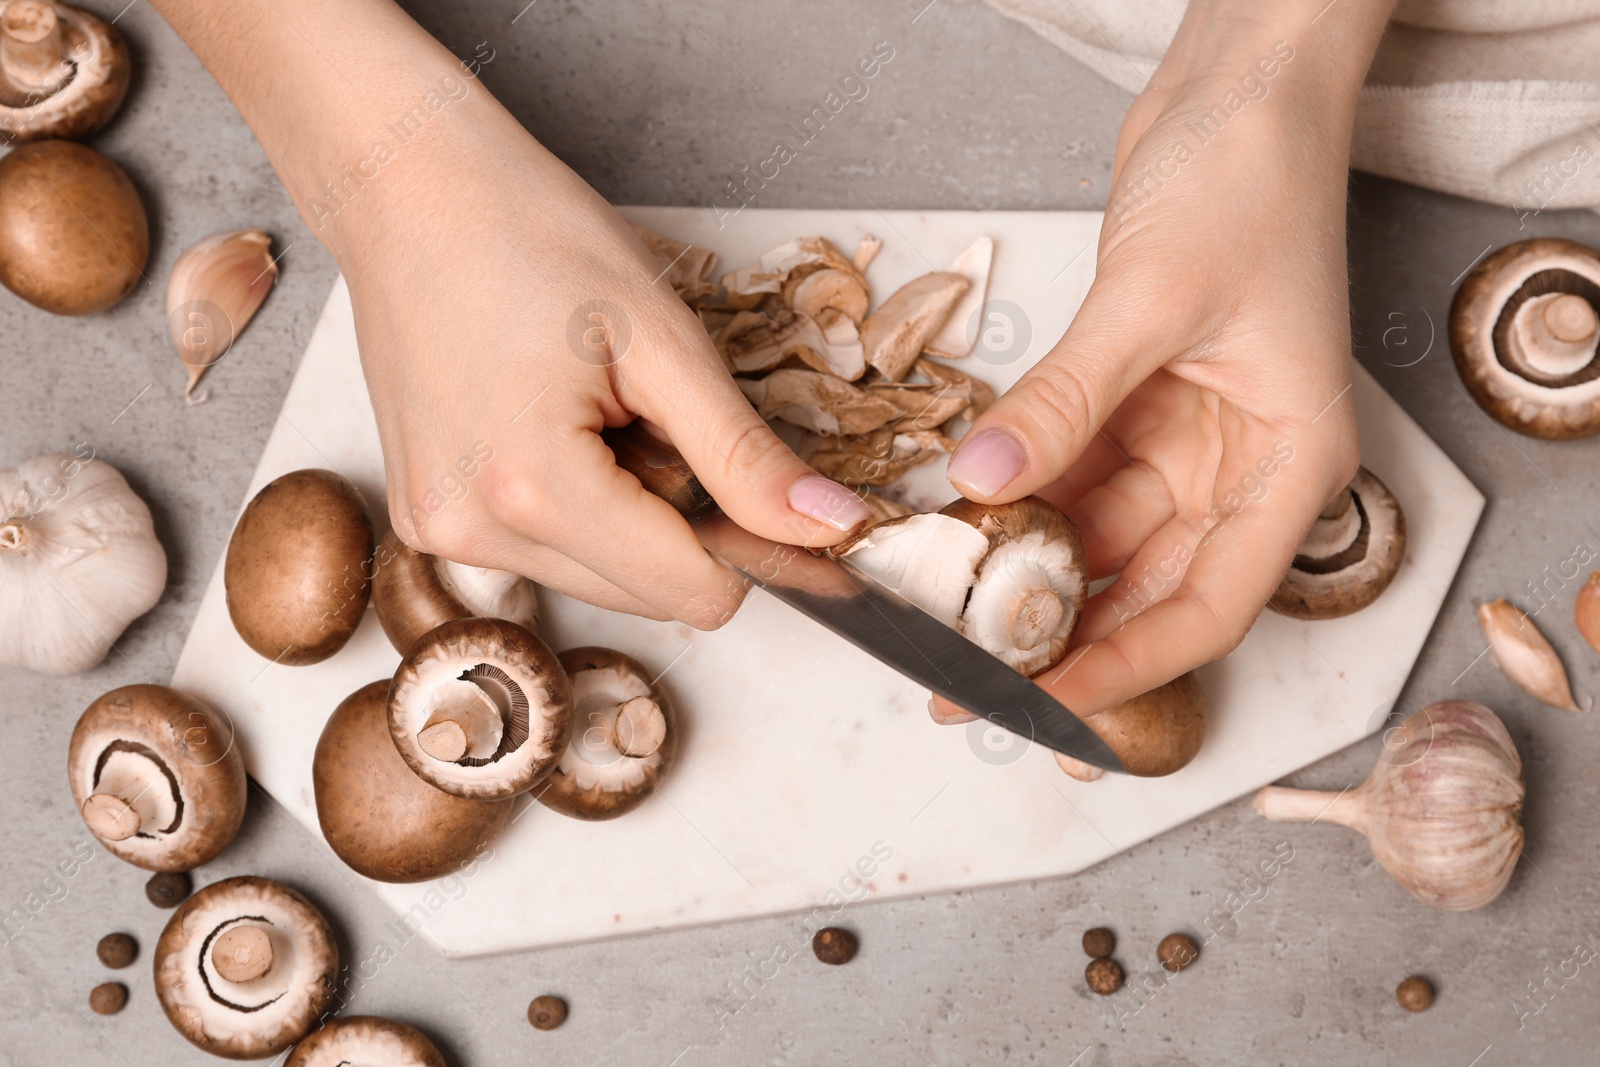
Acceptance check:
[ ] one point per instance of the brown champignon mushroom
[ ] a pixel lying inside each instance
(63, 72)
(413, 592)
(298, 571)
(624, 737)
(379, 817)
(365, 1039)
(245, 968)
(73, 234)
(1153, 734)
(1349, 556)
(1523, 330)
(157, 777)
(894, 335)
(480, 708)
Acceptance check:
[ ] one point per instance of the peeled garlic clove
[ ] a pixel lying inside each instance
(79, 560)
(1587, 611)
(1522, 652)
(214, 291)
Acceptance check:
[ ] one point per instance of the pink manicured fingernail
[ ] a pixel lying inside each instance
(828, 502)
(987, 463)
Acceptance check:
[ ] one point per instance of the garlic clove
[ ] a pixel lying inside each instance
(1587, 611)
(1522, 652)
(213, 292)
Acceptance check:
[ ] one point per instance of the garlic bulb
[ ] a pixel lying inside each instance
(213, 292)
(1442, 809)
(79, 560)
(1522, 652)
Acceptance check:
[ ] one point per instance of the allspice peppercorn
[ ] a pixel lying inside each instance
(547, 1012)
(1415, 993)
(1177, 951)
(1104, 976)
(834, 945)
(117, 950)
(108, 998)
(1099, 943)
(169, 888)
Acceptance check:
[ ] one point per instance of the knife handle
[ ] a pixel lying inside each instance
(661, 469)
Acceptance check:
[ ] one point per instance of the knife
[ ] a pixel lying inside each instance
(870, 616)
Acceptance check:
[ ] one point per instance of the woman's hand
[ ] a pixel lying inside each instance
(1196, 415)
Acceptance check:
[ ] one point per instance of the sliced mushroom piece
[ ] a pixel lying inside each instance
(876, 458)
(413, 592)
(1153, 734)
(1010, 577)
(365, 1039)
(1524, 327)
(895, 334)
(376, 814)
(245, 968)
(63, 72)
(817, 402)
(973, 264)
(623, 740)
(686, 267)
(480, 708)
(157, 776)
(1349, 556)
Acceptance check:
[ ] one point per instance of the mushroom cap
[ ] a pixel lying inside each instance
(298, 571)
(73, 234)
(595, 778)
(413, 592)
(251, 1020)
(92, 94)
(365, 1039)
(176, 761)
(376, 814)
(1153, 734)
(517, 671)
(1346, 561)
(1486, 306)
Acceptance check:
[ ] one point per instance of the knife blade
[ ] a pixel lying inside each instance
(870, 616)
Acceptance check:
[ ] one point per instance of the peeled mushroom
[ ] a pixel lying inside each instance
(157, 777)
(245, 968)
(1349, 556)
(298, 571)
(480, 708)
(1154, 733)
(365, 1039)
(413, 592)
(1008, 576)
(623, 739)
(63, 72)
(1523, 329)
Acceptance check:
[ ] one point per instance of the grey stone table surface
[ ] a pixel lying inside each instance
(661, 101)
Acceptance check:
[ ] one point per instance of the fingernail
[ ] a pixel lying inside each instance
(829, 502)
(954, 719)
(987, 463)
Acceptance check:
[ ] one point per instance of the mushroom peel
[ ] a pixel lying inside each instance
(1523, 331)
(298, 569)
(213, 292)
(624, 737)
(157, 777)
(480, 708)
(1349, 556)
(686, 267)
(281, 956)
(1522, 652)
(973, 264)
(413, 592)
(79, 561)
(1008, 576)
(365, 1039)
(895, 334)
(381, 819)
(1442, 809)
(63, 72)
(1153, 734)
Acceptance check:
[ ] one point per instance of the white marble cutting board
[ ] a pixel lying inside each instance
(803, 759)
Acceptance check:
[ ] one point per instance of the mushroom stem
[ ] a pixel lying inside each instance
(465, 722)
(1338, 506)
(30, 47)
(13, 536)
(242, 953)
(1035, 614)
(638, 728)
(1347, 808)
(110, 817)
(1555, 333)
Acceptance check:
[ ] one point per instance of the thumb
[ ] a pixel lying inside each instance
(1041, 425)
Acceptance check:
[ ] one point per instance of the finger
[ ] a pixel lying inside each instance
(555, 571)
(1118, 517)
(947, 714)
(1099, 462)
